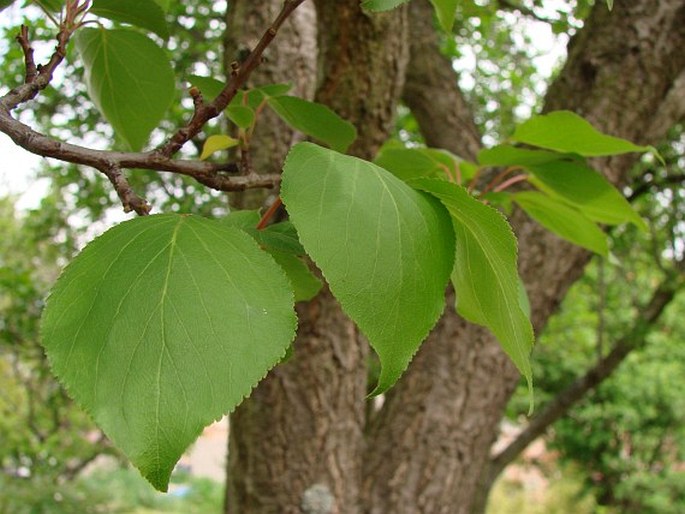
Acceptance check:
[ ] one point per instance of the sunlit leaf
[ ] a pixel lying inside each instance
(507, 155)
(217, 143)
(315, 120)
(565, 131)
(410, 163)
(161, 326)
(587, 190)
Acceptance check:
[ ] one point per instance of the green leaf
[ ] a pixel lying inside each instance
(385, 250)
(507, 155)
(587, 190)
(446, 11)
(610, 4)
(565, 131)
(563, 220)
(162, 325)
(411, 163)
(382, 5)
(164, 4)
(305, 284)
(315, 120)
(242, 219)
(272, 90)
(146, 14)
(485, 275)
(208, 86)
(129, 79)
(282, 237)
(215, 144)
(242, 116)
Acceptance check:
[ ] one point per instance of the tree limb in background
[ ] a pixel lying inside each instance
(560, 405)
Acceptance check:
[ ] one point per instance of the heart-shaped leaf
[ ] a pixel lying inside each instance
(385, 249)
(162, 325)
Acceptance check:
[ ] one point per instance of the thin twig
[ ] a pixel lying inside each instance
(25, 43)
(510, 182)
(500, 177)
(129, 199)
(269, 213)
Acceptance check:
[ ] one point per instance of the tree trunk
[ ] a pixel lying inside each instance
(296, 444)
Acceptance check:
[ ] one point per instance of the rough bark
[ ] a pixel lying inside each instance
(432, 87)
(362, 63)
(296, 444)
(430, 442)
(277, 435)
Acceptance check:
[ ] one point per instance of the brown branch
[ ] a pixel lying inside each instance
(577, 390)
(209, 174)
(129, 199)
(29, 62)
(206, 111)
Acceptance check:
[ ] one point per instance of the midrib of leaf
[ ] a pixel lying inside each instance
(162, 301)
(121, 303)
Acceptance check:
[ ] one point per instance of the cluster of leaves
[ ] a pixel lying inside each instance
(165, 323)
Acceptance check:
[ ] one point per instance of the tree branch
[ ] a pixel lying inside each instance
(576, 391)
(111, 163)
